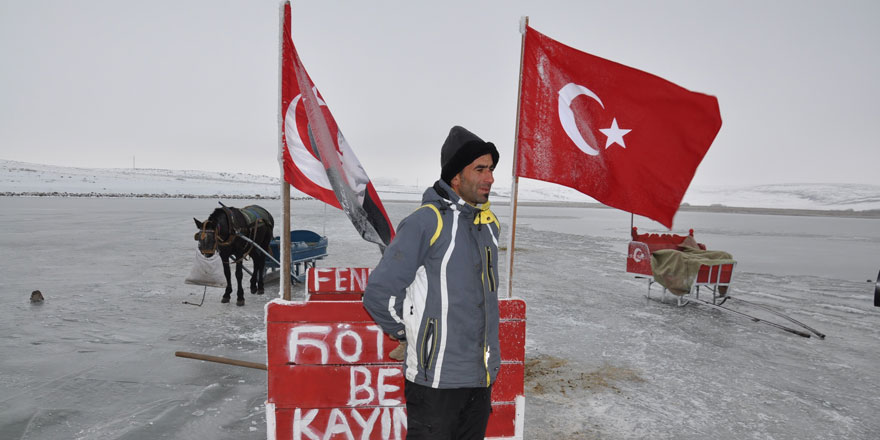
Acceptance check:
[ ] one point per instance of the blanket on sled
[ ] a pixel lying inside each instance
(677, 269)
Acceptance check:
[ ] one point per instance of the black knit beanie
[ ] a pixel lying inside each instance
(460, 149)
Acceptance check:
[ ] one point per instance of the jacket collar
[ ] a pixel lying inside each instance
(441, 191)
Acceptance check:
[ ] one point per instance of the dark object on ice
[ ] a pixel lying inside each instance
(36, 296)
(221, 233)
(877, 292)
(205, 292)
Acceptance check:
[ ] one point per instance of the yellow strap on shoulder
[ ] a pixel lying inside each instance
(439, 221)
(487, 217)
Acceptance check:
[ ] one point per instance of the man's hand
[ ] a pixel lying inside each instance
(399, 352)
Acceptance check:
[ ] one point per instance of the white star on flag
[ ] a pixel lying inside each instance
(615, 134)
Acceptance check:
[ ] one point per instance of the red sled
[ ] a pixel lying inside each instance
(714, 277)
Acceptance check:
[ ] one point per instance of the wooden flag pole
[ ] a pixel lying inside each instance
(285, 187)
(514, 187)
(285, 242)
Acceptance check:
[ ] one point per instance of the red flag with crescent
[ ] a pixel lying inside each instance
(627, 138)
(315, 156)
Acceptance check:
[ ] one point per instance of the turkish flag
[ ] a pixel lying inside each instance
(315, 156)
(629, 139)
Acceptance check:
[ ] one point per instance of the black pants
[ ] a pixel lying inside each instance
(446, 414)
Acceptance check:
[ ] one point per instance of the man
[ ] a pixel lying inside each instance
(436, 288)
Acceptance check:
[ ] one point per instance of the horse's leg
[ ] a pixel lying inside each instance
(226, 272)
(259, 271)
(266, 246)
(238, 276)
(254, 276)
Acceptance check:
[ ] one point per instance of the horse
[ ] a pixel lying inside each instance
(222, 232)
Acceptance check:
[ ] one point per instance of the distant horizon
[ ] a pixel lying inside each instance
(399, 181)
(19, 178)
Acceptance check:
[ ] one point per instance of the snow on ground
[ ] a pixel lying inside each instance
(35, 179)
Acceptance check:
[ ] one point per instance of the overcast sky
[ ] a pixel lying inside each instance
(188, 84)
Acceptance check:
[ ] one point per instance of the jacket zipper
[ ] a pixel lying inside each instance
(490, 275)
(491, 279)
(428, 346)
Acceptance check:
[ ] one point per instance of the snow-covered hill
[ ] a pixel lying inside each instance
(29, 179)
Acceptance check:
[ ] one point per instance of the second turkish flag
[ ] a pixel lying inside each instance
(629, 139)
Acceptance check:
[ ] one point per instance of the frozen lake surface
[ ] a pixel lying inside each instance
(96, 360)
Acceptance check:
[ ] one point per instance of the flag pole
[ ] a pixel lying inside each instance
(285, 187)
(514, 186)
(285, 242)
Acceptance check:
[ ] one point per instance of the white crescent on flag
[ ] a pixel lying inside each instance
(308, 164)
(566, 117)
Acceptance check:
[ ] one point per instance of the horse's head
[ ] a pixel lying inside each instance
(207, 237)
(213, 232)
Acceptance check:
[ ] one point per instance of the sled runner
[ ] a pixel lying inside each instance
(697, 268)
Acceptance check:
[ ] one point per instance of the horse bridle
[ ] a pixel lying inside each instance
(205, 232)
(202, 237)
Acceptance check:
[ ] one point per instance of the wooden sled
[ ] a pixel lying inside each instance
(306, 248)
(715, 278)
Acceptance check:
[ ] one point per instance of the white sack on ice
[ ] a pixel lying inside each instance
(207, 271)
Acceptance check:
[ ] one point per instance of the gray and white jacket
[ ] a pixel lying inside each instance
(437, 287)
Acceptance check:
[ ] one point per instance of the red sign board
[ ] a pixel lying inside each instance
(337, 279)
(330, 376)
(370, 423)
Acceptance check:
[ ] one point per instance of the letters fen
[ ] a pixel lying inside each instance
(329, 373)
(337, 283)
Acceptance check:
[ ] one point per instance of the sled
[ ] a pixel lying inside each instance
(716, 278)
(306, 248)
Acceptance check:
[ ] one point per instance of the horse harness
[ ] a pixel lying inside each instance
(255, 217)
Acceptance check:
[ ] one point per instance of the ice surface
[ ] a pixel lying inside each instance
(96, 359)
